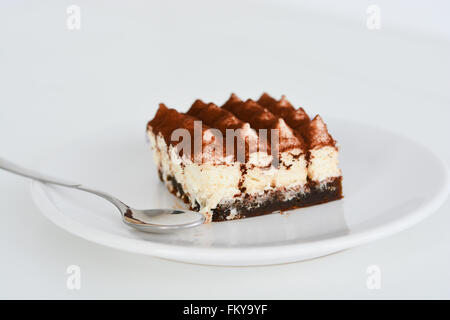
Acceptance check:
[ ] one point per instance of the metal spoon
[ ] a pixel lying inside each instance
(149, 220)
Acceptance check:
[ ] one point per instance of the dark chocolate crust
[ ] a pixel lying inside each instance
(246, 208)
(317, 195)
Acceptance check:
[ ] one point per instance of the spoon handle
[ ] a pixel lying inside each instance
(14, 168)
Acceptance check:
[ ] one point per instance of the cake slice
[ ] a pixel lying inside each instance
(245, 158)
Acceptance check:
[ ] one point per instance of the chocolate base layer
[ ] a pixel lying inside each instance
(274, 201)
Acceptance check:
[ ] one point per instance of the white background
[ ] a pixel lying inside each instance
(128, 56)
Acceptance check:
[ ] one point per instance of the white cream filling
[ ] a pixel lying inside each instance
(257, 180)
(211, 184)
(324, 164)
(292, 169)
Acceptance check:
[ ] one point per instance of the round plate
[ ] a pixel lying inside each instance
(390, 183)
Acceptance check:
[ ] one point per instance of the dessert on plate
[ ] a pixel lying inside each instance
(245, 158)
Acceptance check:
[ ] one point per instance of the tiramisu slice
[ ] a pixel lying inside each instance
(245, 158)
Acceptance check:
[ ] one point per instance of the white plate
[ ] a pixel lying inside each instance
(390, 184)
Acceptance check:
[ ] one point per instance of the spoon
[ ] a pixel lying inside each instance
(148, 220)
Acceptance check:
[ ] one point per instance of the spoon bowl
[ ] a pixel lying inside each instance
(162, 220)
